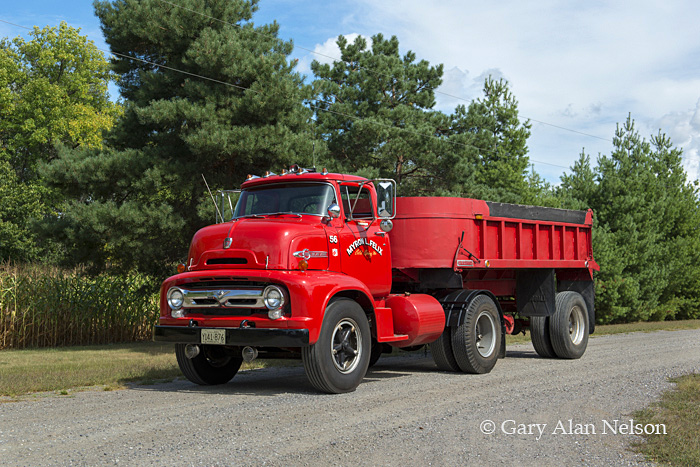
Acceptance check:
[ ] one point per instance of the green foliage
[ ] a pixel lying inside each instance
(53, 90)
(495, 142)
(44, 306)
(135, 202)
(18, 202)
(375, 113)
(647, 230)
(376, 116)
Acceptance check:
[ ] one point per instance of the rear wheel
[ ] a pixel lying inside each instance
(213, 365)
(477, 342)
(539, 332)
(441, 350)
(568, 327)
(338, 361)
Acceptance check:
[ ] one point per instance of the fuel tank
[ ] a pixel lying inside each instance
(419, 316)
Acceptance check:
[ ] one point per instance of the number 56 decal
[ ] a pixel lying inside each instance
(333, 238)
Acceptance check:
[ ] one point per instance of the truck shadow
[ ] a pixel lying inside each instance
(275, 381)
(521, 354)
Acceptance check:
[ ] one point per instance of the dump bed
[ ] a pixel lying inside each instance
(462, 233)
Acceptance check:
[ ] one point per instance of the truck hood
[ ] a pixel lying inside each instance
(260, 243)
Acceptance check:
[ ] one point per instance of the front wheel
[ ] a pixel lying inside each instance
(338, 361)
(213, 365)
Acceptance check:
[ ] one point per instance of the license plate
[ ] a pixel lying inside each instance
(213, 336)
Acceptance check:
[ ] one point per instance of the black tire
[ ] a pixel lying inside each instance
(568, 327)
(212, 366)
(441, 350)
(539, 333)
(338, 361)
(476, 343)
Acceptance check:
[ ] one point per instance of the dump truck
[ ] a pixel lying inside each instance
(335, 270)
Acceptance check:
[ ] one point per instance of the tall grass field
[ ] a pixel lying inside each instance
(49, 307)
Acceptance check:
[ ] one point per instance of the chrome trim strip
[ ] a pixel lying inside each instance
(225, 298)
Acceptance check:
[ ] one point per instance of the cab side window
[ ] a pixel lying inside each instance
(356, 207)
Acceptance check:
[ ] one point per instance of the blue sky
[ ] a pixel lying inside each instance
(581, 66)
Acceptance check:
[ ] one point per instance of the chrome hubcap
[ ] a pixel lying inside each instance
(346, 345)
(576, 325)
(485, 334)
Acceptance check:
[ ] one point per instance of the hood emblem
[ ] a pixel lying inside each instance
(227, 242)
(306, 254)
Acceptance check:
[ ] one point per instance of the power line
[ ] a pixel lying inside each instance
(243, 88)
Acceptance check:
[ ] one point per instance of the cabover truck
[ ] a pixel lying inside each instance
(335, 270)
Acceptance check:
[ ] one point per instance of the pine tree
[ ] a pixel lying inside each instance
(646, 231)
(234, 107)
(375, 113)
(496, 144)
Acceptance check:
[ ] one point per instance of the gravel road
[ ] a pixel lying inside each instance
(405, 413)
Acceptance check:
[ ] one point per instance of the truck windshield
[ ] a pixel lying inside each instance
(283, 198)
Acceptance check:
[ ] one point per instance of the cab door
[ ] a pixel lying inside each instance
(362, 246)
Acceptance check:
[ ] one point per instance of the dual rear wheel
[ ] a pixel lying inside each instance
(565, 333)
(474, 345)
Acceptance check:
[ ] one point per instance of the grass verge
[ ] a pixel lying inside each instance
(112, 366)
(70, 368)
(679, 411)
(607, 329)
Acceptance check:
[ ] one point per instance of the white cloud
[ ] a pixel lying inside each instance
(460, 88)
(582, 66)
(684, 130)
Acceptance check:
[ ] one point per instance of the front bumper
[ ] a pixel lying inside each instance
(236, 336)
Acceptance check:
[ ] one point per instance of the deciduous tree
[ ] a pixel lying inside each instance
(53, 91)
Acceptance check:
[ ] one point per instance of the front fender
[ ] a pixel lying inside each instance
(312, 291)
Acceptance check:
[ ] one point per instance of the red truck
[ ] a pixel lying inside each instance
(335, 269)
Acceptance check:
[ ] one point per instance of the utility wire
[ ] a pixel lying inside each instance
(374, 72)
(243, 88)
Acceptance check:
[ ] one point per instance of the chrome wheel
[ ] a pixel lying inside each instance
(476, 342)
(577, 327)
(568, 326)
(346, 345)
(485, 332)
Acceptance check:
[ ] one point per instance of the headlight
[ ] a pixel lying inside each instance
(175, 298)
(273, 297)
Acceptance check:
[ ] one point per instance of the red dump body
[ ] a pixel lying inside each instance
(461, 233)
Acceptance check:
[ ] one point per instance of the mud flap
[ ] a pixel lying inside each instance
(534, 291)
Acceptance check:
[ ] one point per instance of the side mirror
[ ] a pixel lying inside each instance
(334, 211)
(386, 225)
(386, 198)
